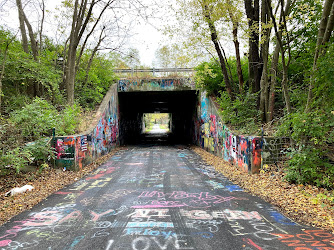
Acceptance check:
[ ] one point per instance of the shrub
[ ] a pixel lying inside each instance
(31, 126)
(69, 120)
(241, 113)
(15, 159)
(36, 119)
(309, 165)
(315, 127)
(209, 77)
(312, 134)
(40, 151)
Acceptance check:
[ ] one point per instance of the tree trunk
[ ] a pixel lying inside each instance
(274, 62)
(101, 38)
(214, 39)
(278, 33)
(325, 30)
(77, 22)
(33, 41)
(264, 83)
(81, 17)
(3, 72)
(237, 48)
(265, 36)
(255, 64)
(238, 59)
(329, 28)
(273, 81)
(41, 28)
(22, 26)
(285, 86)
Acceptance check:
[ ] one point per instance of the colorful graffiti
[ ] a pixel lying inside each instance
(212, 135)
(155, 84)
(77, 151)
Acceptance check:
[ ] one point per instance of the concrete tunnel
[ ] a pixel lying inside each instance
(181, 105)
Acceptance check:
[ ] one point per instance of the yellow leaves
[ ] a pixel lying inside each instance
(315, 201)
(45, 184)
(306, 204)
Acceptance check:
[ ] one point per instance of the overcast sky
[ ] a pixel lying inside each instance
(146, 38)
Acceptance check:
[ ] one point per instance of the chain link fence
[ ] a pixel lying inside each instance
(275, 149)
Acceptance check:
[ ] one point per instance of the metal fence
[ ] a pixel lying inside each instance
(275, 149)
(133, 71)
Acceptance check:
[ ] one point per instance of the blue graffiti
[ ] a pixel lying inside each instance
(281, 218)
(234, 188)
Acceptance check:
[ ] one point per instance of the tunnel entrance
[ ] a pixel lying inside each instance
(156, 127)
(157, 123)
(136, 108)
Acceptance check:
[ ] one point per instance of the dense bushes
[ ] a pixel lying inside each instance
(310, 165)
(311, 157)
(38, 118)
(25, 136)
(33, 95)
(241, 113)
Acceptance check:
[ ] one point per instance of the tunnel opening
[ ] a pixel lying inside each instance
(156, 123)
(156, 127)
(136, 108)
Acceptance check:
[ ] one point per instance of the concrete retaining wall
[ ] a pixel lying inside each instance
(167, 84)
(209, 132)
(76, 151)
(212, 135)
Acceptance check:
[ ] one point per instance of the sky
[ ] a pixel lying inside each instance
(145, 37)
(146, 40)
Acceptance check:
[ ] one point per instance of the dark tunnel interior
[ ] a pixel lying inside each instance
(182, 105)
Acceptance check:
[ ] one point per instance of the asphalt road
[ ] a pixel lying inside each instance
(157, 130)
(157, 197)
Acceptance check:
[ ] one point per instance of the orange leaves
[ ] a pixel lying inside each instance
(305, 204)
(45, 183)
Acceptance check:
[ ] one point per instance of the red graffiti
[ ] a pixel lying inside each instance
(102, 173)
(310, 238)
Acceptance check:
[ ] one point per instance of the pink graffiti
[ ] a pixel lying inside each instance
(4, 243)
(96, 216)
(59, 148)
(46, 218)
(11, 233)
(163, 204)
(72, 216)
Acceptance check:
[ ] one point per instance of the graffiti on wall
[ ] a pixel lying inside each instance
(77, 151)
(212, 135)
(155, 84)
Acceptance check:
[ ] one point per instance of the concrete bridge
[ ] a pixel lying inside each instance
(194, 120)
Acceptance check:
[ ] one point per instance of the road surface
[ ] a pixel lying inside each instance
(157, 130)
(157, 197)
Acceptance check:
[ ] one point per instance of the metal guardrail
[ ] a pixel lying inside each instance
(154, 70)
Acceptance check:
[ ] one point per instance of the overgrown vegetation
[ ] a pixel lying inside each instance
(289, 90)
(33, 100)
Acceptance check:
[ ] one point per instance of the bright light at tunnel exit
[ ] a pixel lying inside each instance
(157, 123)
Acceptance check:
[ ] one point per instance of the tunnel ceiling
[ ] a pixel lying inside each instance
(159, 101)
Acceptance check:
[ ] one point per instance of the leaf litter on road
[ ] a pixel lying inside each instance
(44, 182)
(309, 205)
(304, 204)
